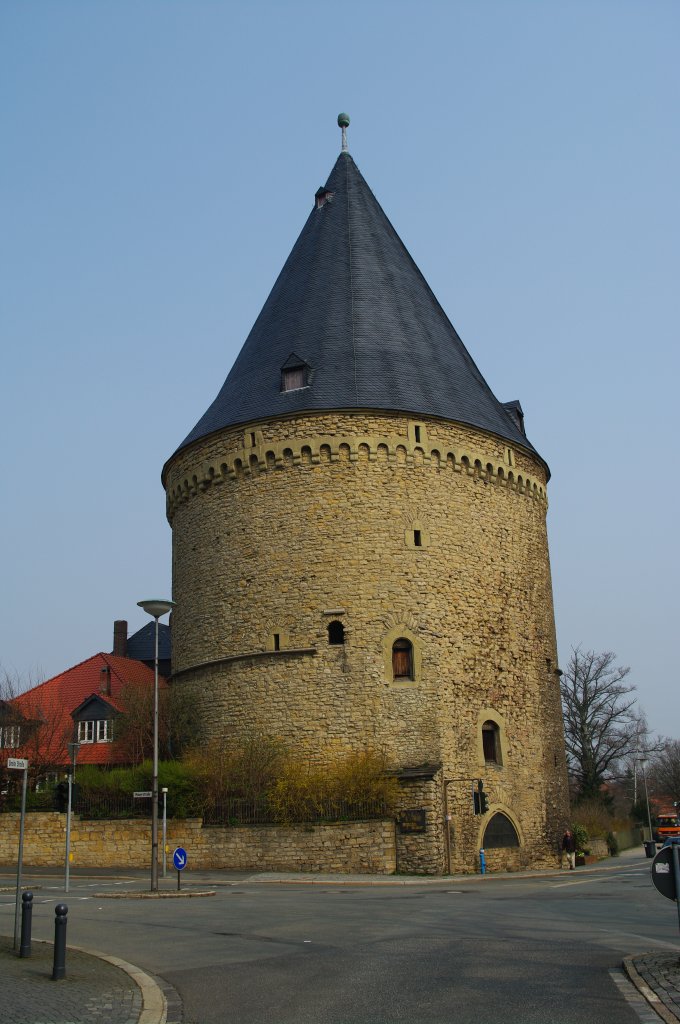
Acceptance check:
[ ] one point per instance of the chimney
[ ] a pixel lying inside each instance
(120, 638)
(105, 681)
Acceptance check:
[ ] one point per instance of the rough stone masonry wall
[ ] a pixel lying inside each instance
(349, 847)
(422, 852)
(284, 526)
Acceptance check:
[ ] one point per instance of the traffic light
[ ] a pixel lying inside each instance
(482, 801)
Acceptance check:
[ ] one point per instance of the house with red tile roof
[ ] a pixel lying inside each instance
(81, 704)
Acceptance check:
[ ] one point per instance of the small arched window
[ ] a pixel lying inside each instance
(336, 632)
(500, 832)
(491, 742)
(402, 659)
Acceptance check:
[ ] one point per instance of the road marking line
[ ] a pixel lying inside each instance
(636, 935)
(645, 1013)
(585, 881)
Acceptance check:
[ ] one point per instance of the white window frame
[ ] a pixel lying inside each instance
(103, 731)
(10, 737)
(86, 732)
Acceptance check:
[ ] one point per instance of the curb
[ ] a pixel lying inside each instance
(646, 992)
(154, 1005)
(379, 880)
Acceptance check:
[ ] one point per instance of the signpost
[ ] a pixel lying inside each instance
(179, 859)
(164, 791)
(666, 873)
(19, 764)
(73, 749)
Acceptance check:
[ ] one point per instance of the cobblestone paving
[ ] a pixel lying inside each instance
(661, 972)
(93, 991)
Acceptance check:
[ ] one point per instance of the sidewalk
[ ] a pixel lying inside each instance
(96, 988)
(657, 977)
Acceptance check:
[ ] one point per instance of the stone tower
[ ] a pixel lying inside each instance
(360, 556)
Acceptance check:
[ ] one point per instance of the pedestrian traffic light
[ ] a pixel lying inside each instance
(483, 800)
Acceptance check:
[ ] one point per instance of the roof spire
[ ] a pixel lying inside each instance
(343, 122)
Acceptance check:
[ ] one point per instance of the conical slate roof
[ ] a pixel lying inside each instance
(352, 308)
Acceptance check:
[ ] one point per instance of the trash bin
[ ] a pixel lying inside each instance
(650, 847)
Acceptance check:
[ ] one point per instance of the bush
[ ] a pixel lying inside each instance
(245, 771)
(257, 779)
(351, 786)
(117, 785)
(596, 819)
(263, 774)
(581, 836)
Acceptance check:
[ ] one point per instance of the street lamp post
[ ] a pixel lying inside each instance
(156, 609)
(643, 761)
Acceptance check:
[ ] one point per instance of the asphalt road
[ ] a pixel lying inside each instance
(545, 950)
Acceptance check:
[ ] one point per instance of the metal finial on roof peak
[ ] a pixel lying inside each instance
(343, 122)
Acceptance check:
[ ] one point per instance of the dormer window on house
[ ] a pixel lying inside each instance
(294, 374)
(98, 731)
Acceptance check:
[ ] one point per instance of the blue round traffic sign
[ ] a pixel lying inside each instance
(179, 858)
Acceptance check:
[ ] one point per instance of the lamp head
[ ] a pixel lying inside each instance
(156, 607)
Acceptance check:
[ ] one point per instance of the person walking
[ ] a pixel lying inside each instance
(569, 847)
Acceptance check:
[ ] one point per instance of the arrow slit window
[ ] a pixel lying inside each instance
(491, 742)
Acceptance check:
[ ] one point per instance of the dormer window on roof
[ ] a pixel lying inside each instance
(294, 374)
(323, 196)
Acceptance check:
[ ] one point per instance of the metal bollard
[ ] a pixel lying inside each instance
(26, 919)
(482, 862)
(59, 965)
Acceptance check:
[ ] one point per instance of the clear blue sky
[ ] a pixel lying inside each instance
(159, 159)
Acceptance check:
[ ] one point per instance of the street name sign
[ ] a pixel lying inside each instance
(17, 762)
(142, 794)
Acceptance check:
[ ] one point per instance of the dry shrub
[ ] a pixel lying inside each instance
(247, 770)
(596, 819)
(343, 787)
(260, 770)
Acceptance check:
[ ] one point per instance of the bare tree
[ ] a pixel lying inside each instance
(665, 771)
(177, 722)
(601, 726)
